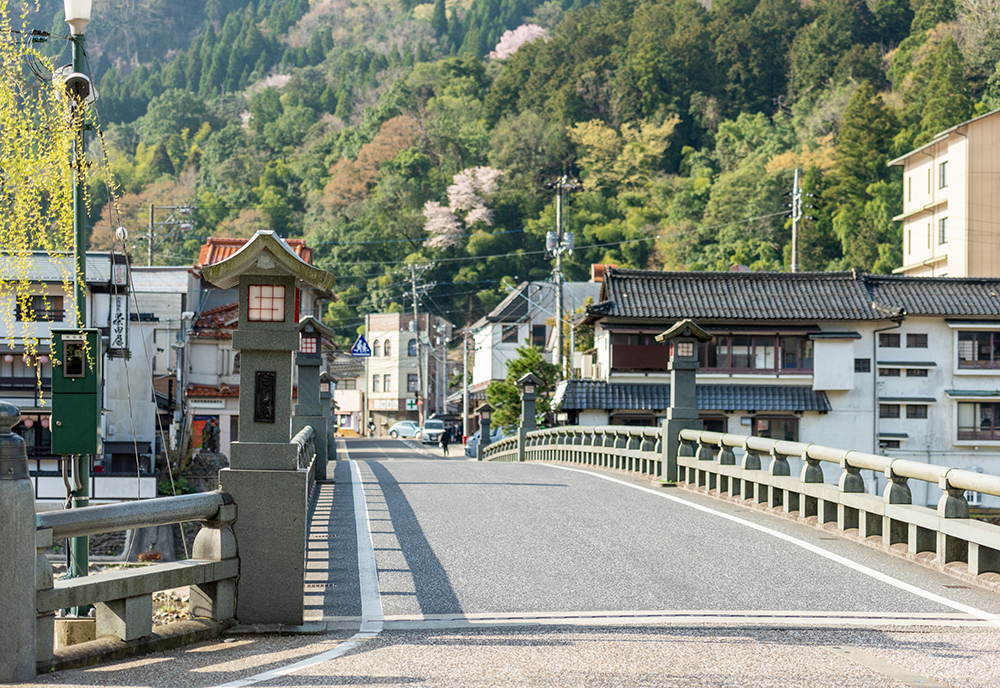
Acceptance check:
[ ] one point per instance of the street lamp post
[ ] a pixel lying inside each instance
(78, 16)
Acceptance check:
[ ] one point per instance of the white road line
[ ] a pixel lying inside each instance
(877, 575)
(371, 600)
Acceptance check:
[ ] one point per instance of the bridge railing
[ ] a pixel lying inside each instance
(306, 441)
(124, 599)
(707, 461)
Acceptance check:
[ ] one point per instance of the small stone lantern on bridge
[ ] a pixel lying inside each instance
(484, 412)
(685, 338)
(263, 477)
(327, 387)
(309, 407)
(528, 383)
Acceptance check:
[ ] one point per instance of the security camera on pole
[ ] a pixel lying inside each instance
(557, 243)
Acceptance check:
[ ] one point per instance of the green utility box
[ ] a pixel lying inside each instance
(77, 391)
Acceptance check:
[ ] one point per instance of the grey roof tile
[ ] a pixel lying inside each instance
(575, 395)
(948, 296)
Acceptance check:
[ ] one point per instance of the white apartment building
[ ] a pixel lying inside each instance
(951, 202)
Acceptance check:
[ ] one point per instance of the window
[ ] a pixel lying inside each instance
(411, 382)
(889, 444)
(307, 344)
(267, 303)
(715, 424)
(916, 372)
(47, 308)
(862, 365)
(387, 383)
(888, 410)
(888, 372)
(978, 421)
(376, 348)
(787, 353)
(509, 334)
(538, 336)
(977, 350)
(943, 175)
(974, 498)
(888, 340)
(347, 384)
(411, 347)
(776, 428)
(943, 230)
(386, 348)
(909, 188)
(916, 411)
(916, 341)
(375, 381)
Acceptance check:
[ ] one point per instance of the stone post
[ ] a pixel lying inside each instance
(529, 394)
(17, 554)
(309, 407)
(684, 338)
(327, 386)
(263, 478)
(484, 412)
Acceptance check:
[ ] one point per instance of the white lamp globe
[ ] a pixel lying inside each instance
(77, 14)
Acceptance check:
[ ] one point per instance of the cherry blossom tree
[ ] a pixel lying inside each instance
(468, 196)
(442, 226)
(511, 41)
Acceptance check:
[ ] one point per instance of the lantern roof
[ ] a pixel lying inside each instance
(529, 379)
(265, 252)
(309, 324)
(684, 328)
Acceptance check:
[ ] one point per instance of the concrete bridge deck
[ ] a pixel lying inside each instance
(448, 572)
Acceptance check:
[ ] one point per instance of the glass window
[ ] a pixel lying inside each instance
(978, 421)
(888, 372)
(975, 350)
(538, 336)
(411, 347)
(916, 410)
(411, 382)
(889, 444)
(346, 384)
(943, 230)
(916, 341)
(509, 334)
(376, 348)
(776, 428)
(375, 383)
(888, 340)
(715, 424)
(387, 383)
(796, 353)
(943, 175)
(862, 365)
(43, 308)
(386, 348)
(916, 372)
(888, 410)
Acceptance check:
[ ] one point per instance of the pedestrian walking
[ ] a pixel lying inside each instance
(444, 442)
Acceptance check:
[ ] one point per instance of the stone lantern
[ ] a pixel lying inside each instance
(685, 338)
(309, 407)
(528, 383)
(327, 387)
(484, 412)
(263, 477)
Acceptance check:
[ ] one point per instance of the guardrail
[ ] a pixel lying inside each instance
(944, 537)
(124, 599)
(306, 440)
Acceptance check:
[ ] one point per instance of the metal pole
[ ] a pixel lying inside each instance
(465, 385)
(796, 216)
(80, 496)
(421, 396)
(149, 237)
(557, 358)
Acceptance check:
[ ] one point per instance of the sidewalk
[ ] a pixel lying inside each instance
(681, 657)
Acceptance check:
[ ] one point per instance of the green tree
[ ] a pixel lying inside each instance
(505, 396)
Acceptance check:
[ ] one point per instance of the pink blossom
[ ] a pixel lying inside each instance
(511, 41)
(442, 225)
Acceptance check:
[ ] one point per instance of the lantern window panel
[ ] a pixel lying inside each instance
(309, 344)
(267, 303)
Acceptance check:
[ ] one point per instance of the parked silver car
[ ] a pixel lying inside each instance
(404, 428)
(472, 444)
(431, 432)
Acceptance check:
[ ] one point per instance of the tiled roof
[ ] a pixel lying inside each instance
(217, 249)
(576, 395)
(201, 391)
(218, 322)
(790, 296)
(734, 295)
(949, 296)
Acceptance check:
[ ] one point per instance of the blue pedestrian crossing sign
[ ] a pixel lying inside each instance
(361, 347)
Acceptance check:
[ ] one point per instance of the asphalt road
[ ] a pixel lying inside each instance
(449, 572)
(453, 536)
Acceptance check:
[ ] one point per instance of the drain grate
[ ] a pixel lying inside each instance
(318, 586)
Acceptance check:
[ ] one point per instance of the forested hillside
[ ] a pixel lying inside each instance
(388, 132)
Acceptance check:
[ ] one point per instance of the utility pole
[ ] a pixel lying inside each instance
(170, 221)
(416, 292)
(465, 383)
(796, 216)
(557, 243)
